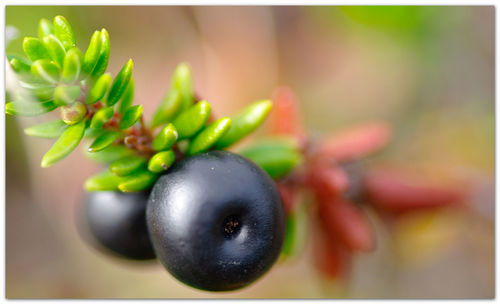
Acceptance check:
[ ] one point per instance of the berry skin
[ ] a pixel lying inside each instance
(117, 221)
(216, 221)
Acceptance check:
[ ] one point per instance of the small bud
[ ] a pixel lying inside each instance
(74, 113)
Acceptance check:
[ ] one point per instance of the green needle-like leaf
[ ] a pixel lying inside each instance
(103, 141)
(183, 82)
(46, 70)
(72, 65)
(288, 242)
(276, 156)
(166, 138)
(55, 49)
(168, 108)
(26, 108)
(189, 122)
(34, 49)
(296, 231)
(120, 83)
(110, 154)
(93, 133)
(65, 95)
(101, 117)
(161, 161)
(139, 181)
(43, 93)
(66, 143)
(131, 116)
(63, 32)
(127, 165)
(51, 129)
(45, 28)
(92, 54)
(127, 98)
(99, 89)
(103, 57)
(209, 136)
(245, 123)
(19, 66)
(102, 181)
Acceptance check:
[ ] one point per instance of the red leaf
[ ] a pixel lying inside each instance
(288, 196)
(331, 258)
(285, 117)
(347, 222)
(356, 142)
(395, 192)
(326, 180)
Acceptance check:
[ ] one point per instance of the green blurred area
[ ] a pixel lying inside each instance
(427, 70)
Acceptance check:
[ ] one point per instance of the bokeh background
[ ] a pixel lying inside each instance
(427, 70)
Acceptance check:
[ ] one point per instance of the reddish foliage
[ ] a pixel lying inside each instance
(343, 226)
(326, 180)
(332, 259)
(356, 142)
(285, 118)
(394, 192)
(288, 196)
(346, 222)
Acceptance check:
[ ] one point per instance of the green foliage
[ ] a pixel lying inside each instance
(45, 28)
(71, 67)
(209, 136)
(131, 116)
(104, 140)
(19, 66)
(182, 81)
(99, 89)
(63, 32)
(296, 231)
(277, 156)
(50, 129)
(56, 74)
(165, 138)
(66, 95)
(66, 143)
(189, 122)
(102, 181)
(55, 49)
(34, 49)
(101, 117)
(28, 108)
(110, 154)
(138, 181)
(127, 98)
(102, 59)
(46, 70)
(168, 109)
(245, 123)
(127, 165)
(92, 54)
(161, 161)
(120, 83)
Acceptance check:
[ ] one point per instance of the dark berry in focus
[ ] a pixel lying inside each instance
(216, 221)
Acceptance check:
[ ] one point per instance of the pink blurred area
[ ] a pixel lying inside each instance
(430, 73)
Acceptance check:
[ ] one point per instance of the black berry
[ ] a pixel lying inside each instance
(216, 221)
(117, 221)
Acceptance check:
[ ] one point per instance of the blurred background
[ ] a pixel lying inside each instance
(429, 71)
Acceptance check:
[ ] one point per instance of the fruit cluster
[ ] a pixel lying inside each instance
(214, 219)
